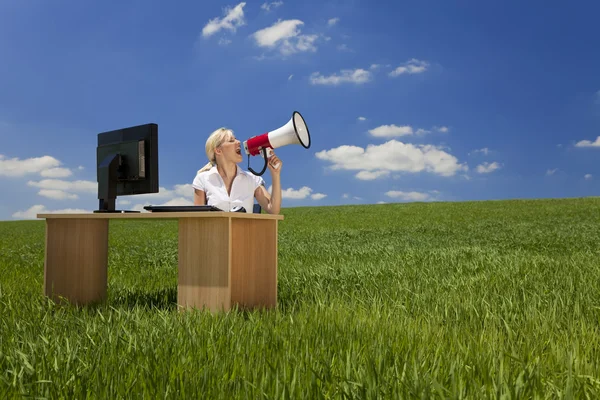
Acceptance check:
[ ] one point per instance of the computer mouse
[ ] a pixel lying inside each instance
(238, 209)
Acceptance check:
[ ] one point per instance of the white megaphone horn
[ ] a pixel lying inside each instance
(294, 132)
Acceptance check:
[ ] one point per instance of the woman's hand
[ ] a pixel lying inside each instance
(272, 202)
(274, 164)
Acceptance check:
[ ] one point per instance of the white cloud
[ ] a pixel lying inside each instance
(344, 47)
(57, 194)
(486, 167)
(588, 177)
(393, 156)
(72, 186)
(224, 42)
(412, 66)
(396, 131)
(41, 209)
(442, 129)
(234, 18)
(181, 194)
(14, 167)
(551, 172)
(408, 196)
(286, 36)
(179, 201)
(357, 76)
(362, 119)
(347, 196)
(290, 77)
(164, 196)
(56, 173)
(587, 143)
(391, 131)
(302, 43)
(267, 6)
(371, 175)
(185, 190)
(485, 151)
(301, 193)
(333, 21)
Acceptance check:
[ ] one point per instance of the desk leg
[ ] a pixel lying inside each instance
(76, 260)
(254, 263)
(204, 263)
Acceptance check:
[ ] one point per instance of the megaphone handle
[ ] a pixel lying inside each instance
(264, 151)
(270, 153)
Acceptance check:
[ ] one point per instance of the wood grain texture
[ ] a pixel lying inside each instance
(254, 263)
(76, 259)
(204, 263)
(161, 215)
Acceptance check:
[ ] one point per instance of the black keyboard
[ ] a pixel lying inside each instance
(180, 208)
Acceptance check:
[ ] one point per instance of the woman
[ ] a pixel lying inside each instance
(221, 183)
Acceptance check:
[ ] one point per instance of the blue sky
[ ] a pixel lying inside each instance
(405, 101)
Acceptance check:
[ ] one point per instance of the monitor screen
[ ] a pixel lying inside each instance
(127, 164)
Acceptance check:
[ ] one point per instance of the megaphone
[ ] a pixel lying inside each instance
(294, 132)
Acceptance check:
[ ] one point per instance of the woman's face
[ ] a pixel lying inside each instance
(231, 149)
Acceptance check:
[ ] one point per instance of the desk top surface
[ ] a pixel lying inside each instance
(164, 215)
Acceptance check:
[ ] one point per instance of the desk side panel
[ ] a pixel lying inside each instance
(76, 260)
(204, 263)
(254, 263)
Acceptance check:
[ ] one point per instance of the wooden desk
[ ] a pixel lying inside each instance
(225, 258)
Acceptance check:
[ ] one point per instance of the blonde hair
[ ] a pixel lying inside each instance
(217, 138)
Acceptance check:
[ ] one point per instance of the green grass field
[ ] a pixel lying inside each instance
(497, 299)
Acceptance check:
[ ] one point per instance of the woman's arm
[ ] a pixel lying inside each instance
(271, 203)
(199, 197)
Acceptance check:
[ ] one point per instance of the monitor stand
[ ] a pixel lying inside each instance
(108, 206)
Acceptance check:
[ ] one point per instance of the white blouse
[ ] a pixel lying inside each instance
(242, 189)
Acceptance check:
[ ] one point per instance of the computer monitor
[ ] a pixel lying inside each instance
(127, 164)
